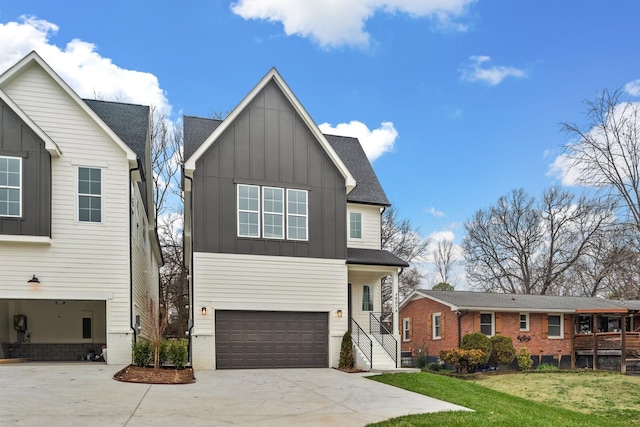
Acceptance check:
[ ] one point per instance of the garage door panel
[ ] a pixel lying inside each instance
(268, 339)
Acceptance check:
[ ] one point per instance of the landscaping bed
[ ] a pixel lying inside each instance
(164, 375)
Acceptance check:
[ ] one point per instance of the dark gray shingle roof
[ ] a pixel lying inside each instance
(373, 257)
(466, 300)
(368, 189)
(196, 130)
(129, 121)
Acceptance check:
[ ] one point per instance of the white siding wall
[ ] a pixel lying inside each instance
(85, 260)
(370, 226)
(243, 282)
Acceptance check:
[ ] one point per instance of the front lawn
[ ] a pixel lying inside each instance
(496, 408)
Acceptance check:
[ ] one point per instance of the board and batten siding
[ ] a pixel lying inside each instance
(268, 145)
(370, 226)
(85, 260)
(267, 283)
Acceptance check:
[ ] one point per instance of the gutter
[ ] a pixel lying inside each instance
(189, 272)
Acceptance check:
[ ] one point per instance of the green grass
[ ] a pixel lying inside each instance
(492, 407)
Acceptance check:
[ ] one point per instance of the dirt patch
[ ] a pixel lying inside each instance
(137, 374)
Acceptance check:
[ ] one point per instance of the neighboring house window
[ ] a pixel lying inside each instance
(297, 214)
(273, 212)
(10, 186)
(355, 225)
(437, 326)
(486, 323)
(248, 210)
(555, 325)
(89, 194)
(367, 298)
(406, 329)
(524, 321)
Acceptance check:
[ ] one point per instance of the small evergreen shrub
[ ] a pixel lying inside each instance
(502, 350)
(478, 341)
(547, 367)
(164, 352)
(142, 353)
(346, 352)
(421, 361)
(433, 366)
(524, 359)
(178, 352)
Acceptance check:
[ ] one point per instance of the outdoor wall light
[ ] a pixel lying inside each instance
(339, 313)
(204, 311)
(33, 281)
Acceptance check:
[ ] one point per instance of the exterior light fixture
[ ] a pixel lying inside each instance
(204, 311)
(339, 313)
(33, 281)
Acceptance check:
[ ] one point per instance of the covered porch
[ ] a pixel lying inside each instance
(607, 339)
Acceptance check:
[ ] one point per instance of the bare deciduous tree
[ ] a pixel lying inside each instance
(607, 153)
(523, 246)
(405, 242)
(444, 260)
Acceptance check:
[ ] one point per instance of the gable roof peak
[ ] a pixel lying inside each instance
(273, 75)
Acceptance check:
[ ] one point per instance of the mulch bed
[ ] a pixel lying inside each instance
(145, 375)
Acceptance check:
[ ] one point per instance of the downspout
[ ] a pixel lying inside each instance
(131, 324)
(460, 315)
(189, 271)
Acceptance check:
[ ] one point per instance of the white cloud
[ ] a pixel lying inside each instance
(374, 142)
(477, 70)
(633, 88)
(433, 211)
(438, 236)
(332, 23)
(79, 64)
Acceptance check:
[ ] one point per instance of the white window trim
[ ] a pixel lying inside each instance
(493, 322)
(306, 217)
(102, 195)
(370, 299)
(526, 329)
(355, 213)
(238, 210)
(433, 326)
(20, 187)
(264, 212)
(406, 329)
(556, 337)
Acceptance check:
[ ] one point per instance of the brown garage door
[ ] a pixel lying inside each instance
(271, 339)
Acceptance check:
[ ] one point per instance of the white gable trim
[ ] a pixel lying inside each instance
(416, 295)
(49, 144)
(272, 75)
(34, 58)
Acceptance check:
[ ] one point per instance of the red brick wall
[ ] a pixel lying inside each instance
(420, 314)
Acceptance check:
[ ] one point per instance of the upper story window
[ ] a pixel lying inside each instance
(89, 194)
(524, 321)
(10, 186)
(437, 326)
(367, 298)
(355, 225)
(265, 206)
(273, 212)
(486, 324)
(297, 216)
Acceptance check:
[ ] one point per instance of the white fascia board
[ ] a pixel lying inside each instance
(49, 144)
(190, 164)
(34, 292)
(34, 58)
(17, 238)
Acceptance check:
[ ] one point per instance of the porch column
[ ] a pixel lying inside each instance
(623, 345)
(394, 311)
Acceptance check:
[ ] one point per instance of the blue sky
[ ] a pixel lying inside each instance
(457, 101)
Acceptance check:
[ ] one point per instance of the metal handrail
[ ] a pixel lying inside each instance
(362, 340)
(384, 337)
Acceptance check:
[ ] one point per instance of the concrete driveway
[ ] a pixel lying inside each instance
(84, 393)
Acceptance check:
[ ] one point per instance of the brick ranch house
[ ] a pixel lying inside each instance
(571, 332)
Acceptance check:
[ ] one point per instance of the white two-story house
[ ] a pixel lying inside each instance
(282, 239)
(79, 254)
